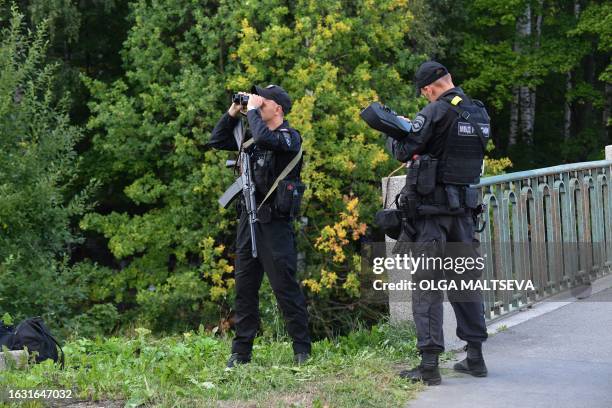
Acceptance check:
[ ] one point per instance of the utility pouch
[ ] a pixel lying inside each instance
(288, 199)
(409, 200)
(426, 178)
(412, 173)
(472, 196)
(452, 197)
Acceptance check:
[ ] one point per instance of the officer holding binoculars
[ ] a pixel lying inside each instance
(274, 153)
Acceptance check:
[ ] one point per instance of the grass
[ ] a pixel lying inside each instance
(502, 328)
(358, 370)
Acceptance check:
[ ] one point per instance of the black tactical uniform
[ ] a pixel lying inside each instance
(438, 132)
(270, 153)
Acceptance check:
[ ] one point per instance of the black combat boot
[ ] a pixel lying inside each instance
(238, 358)
(300, 358)
(474, 363)
(427, 371)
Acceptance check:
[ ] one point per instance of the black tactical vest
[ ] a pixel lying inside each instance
(461, 162)
(267, 165)
(261, 165)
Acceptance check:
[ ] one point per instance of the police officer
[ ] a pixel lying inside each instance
(445, 130)
(275, 145)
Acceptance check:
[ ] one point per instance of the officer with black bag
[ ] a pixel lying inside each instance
(444, 153)
(270, 191)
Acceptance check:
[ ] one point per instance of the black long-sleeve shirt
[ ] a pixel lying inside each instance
(272, 150)
(222, 137)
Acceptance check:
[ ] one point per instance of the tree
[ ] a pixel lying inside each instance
(83, 36)
(37, 165)
(509, 52)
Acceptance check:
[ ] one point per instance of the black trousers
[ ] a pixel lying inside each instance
(277, 256)
(447, 236)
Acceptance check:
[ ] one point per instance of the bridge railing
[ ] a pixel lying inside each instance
(552, 226)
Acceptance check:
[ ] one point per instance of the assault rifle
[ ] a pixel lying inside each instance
(244, 183)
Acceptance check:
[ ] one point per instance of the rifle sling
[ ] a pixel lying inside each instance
(282, 175)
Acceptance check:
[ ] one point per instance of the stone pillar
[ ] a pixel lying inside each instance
(400, 306)
(19, 359)
(609, 152)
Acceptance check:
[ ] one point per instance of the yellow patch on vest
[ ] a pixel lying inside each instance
(456, 100)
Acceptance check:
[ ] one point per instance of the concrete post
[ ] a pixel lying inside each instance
(400, 302)
(19, 359)
(609, 152)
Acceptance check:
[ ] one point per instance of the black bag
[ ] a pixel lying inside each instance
(389, 220)
(288, 199)
(383, 119)
(6, 335)
(33, 334)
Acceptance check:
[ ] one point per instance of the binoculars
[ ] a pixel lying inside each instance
(240, 99)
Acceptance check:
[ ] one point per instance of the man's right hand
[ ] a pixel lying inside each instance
(234, 110)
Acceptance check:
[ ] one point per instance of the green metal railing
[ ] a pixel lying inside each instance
(552, 226)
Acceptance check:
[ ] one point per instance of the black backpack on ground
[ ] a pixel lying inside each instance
(33, 334)
(6, 334)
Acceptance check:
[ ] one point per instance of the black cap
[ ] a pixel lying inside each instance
(275, 93)
(428, 72)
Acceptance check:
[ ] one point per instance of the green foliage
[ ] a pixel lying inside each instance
(596, 22)
(83, 36)
(489, 57)
(494, 65)
(7, 319)
(148, 126)
(188, 370)
(37, 164)
(493, 167)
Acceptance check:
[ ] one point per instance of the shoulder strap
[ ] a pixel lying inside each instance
(60, 349)
(38, 322)
(248, 143)
(454, 105)
(283, 174)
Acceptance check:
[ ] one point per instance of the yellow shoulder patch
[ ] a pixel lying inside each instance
(456, 100)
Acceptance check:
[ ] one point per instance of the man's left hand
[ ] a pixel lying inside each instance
(255, 101)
